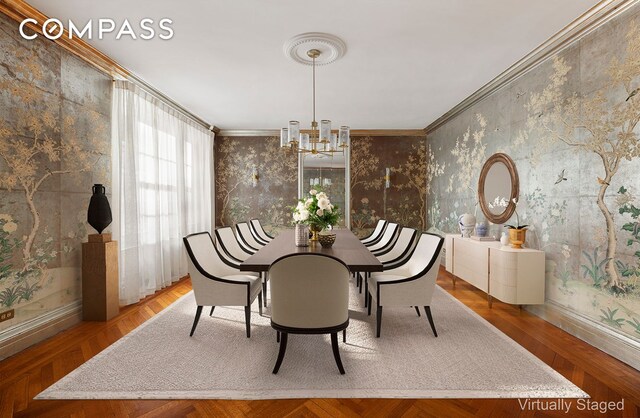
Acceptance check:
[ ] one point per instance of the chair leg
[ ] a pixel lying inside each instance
(417, 310)
(378, 321)
(212, 308)
(344, 335)
(195, 321)
(360, 286)
(260, 303)
(366, 292)
(277, 336)
(369, 298)
(336, 352)
(247, 319)
(264, 289)
(283, 348)
(427, 310)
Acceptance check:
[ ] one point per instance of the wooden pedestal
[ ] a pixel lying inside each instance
(100, 290)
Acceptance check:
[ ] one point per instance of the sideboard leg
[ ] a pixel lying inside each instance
(490, 299)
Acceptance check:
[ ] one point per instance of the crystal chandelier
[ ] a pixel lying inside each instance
(321, 141)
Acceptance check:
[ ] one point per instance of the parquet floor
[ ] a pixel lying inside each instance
(24, 375)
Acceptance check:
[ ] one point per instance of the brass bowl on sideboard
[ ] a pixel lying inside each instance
(326, 240)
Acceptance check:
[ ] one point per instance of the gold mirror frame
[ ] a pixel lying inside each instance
(515, 188)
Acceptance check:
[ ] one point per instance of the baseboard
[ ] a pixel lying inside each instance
(28, 333)
(623, 348)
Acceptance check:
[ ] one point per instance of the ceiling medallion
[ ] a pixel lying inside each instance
(331, 48)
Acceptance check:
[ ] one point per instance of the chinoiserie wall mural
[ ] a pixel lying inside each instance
(276, 190)
(571, 126)
(54, 144)
(404, 200)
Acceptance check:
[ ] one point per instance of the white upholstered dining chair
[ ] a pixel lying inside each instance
(387, 240)
(389, 236)
(376, 234)
(243, 232)
(216, 283)
(258, 231)
(411, 284)
(228, 242)
(309, 295)
(397, 255)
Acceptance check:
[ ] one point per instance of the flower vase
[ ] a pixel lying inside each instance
(99, 212)
(517, 237)
(314, 231)
(302, 235)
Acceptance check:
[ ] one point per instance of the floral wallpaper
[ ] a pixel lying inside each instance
(571, 126)
(277, 187)
(54, 144)
(404, 201)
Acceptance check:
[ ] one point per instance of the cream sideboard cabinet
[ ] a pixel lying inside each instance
(510, 275)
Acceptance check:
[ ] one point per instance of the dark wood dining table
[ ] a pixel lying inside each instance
(347, 248)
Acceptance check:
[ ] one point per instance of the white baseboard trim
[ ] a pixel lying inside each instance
(28, 333)
(617, 345)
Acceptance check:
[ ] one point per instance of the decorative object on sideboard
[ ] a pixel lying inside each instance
(517, 237)
(517, 232)
(99, 212)
(504, 239)
(498, 180)
(482, 228)
(479, 238)
(302, 235)
(467, 223)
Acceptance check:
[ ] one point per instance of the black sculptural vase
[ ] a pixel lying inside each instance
(99, 213)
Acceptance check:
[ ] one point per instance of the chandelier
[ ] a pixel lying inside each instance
(318, 141)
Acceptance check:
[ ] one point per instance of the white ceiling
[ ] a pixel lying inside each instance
(407, 61)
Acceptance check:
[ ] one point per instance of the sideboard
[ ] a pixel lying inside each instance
(514, 276)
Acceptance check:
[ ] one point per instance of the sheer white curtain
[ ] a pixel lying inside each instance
(162, 164)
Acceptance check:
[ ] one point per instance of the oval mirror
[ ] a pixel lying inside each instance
(497, 187)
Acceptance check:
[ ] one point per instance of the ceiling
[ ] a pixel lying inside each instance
(407, 61)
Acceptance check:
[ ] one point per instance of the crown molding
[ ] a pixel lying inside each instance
(19, 10)
(354, 132)
(593, 18)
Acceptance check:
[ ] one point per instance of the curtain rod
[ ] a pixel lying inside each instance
(161, 96)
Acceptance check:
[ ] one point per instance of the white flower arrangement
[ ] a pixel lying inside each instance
(300, 213)
(317, 210)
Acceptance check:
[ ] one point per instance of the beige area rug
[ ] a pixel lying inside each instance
(469, 359)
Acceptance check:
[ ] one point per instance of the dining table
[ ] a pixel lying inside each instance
(346, 248)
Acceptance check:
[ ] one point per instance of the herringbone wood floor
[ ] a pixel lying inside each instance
(24, 375)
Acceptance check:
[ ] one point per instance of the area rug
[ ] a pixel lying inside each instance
(469, 359)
